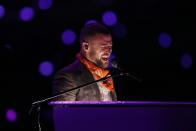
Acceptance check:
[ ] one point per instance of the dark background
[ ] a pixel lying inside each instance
(138, 52)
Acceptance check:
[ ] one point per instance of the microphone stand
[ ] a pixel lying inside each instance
(37, 104)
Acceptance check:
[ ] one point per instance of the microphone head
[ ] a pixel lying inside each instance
(114, 63)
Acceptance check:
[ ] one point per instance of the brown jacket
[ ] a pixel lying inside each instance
(75, 75)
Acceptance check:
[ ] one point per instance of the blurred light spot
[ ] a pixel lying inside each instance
(68, 37)
(11, 115)
(111, 57)
(91, 21)
(44, 4)
(164, 40)
(2, 11)
(8, 46)
(120, 30)
(27, 14)
(186, 61)
(46, 68)
(109, 18)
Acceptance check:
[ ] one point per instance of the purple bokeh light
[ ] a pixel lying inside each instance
(186, 61)
(11, 115)
(44, 4)
(8, 46)
(91, 21)
(120, 30)
(27, 14)
(2, 11)
(46, 68)
(112, 56)
(68, 37)
(109, 18)
(165, 40)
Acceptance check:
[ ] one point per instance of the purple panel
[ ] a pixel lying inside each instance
(124, 118)
(119, 103)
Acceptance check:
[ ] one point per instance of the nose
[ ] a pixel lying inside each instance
(108, 50)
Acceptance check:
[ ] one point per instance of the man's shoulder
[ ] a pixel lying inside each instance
(74, 68)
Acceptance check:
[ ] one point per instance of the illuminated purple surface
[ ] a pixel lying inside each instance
(44, 4)
(165, 40)
(26, 14)
(11, 115)
(46, 68)
(68, 37)
(109, 18)
(186, 61)
(119, 103)
(115, 118)
(2, 11)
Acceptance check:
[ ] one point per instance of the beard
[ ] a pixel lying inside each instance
(98, 61)
(101, 64)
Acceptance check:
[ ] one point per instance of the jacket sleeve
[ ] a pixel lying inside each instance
(63, 81)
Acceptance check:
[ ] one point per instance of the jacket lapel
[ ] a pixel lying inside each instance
(86, 77)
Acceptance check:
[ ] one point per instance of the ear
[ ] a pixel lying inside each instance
(85, 46)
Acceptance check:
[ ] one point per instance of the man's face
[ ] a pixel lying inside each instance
(100, 49)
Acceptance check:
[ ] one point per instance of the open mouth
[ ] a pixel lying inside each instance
(106, 59)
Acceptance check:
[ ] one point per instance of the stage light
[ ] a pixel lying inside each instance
(109, 18)
(46, 68)
(120, 30)
(44, 4)
(11, 115)
(186, 61)
(68, 37)
(27, 14)
(91, 21)
(2, 11)
(165, 40)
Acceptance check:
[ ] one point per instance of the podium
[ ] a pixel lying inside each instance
(124, 116)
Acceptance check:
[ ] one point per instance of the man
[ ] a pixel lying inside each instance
(91, 64)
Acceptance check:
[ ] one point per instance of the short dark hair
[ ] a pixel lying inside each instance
(90, 30)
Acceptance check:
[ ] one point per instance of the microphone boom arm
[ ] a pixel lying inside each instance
(89, 83)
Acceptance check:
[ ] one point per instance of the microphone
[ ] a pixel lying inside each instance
(115, 65)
